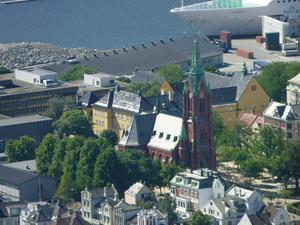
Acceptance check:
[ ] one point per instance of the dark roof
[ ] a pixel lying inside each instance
(88, 98)
(12, 176)
(70, 219)
(145, 58)
(177, 87)
(139, 132)
(23, 120)
(99, 192)
(142, 76)
(3, 207)
(223, 95)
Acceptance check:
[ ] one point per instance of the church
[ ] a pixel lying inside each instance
(184, 136)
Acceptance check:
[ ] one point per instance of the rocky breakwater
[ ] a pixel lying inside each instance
(24, 54)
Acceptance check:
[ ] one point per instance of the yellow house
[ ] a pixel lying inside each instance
(230, 95)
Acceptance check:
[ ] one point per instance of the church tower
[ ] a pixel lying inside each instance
(196, 147)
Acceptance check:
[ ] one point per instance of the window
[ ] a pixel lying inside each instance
(161, 134)
(289, 135)
(175, 139)
(154, 133)
(168, 137)
(97, 83)
(201, 105)
(253, 88)
(289, 126)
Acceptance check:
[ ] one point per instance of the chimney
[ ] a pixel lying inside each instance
(171, 96)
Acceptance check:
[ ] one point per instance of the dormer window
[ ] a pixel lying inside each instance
(168, 137)
(154, 133)
(161, 134)
(175, 138)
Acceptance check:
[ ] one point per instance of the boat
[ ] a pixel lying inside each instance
(239, 17)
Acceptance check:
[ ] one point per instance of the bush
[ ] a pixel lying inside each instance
(294, 208)
(77, 73)
(4, 70)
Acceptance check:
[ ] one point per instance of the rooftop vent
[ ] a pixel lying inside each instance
(114, 51)
(143, 45)
(152, 43)
(171, 39)
(133, 47)
(124, 49)
(105, 54)
(162, 41)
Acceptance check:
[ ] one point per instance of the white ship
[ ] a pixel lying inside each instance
(240, 17)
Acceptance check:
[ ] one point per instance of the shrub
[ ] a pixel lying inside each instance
(294, 208)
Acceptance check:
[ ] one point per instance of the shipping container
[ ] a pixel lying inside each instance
(272, 38)
(260, 39)
(225, 37)
(289, 46)
(245, 53)
(290, 53)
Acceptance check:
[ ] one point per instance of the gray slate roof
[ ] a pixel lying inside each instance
(23, 120)
(12, 176)
(139, 132)
(145, 58)
(87, 99)
(28, 165)
(142, 77)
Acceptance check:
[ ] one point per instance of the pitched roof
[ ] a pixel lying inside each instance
(13, 176)
(283, 111)
(27, 165)
(151, 56)
(139, 132)
(88, 98)
(142, 76)
(295, 80)
(166, 137)
(136, 188)
(70, 219)
(239, 192)
(99, 192)
(126, 207)
(248, 119)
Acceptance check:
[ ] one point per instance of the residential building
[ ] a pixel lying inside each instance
(284, 118)
(138, 192)
(86, 102)
(116, 110)
(253, 200)
(91, 201)
(191, 190)
(230, 95)
(270, 216)
(251, 121)
(10, 212)
(41, 213)
(116, 212)
(21, 185)
(99, 80)
(20, 98)
(293, 91)
(69, 218)
(35, 126)
(224, 211)
(147, 56)
(151, 216)
(37, 76)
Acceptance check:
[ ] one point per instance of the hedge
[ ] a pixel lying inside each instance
(294, 208)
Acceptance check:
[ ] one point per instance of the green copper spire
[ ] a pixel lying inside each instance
(183, 135)
(196, 64)
(244, 70)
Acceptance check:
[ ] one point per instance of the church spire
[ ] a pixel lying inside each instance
(196, 69)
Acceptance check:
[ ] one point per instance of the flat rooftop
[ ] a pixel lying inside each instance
(100, 75)
(234, 62)
(22, 120)
(14, 86)
(37, 71)
(28, 165)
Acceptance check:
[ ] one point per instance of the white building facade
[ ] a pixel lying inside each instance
(36, 75)
(99, 80)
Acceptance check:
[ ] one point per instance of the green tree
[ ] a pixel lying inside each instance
(77, 73)
(292, 159)
(57, 105)
(199, 218)
(285, 194)
(274, 78)
(218, 124)
(168, 171)
(107, 168)
(167, 206)
(44, 153)
(110, 136)
(146, 89)
(56, 166)
(251, 168)
(226, 153)
(86, 164)
(67, 186)
(22, 149)
(172, 73)
(73, 122)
